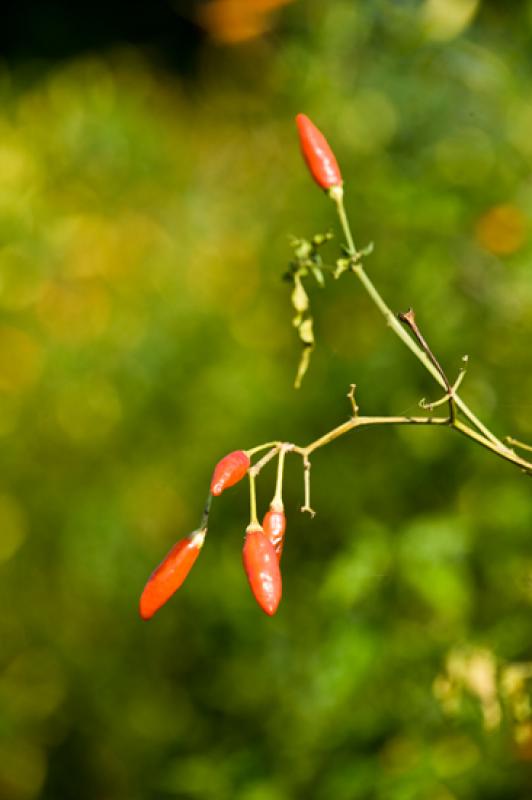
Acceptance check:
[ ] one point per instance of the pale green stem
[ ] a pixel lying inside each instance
(360, 422)
(398, 329)
(253, 521)
(206, 511)
(519, 444)
(261, 447)
(278, 496)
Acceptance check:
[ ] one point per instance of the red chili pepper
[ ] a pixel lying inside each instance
(170, 574)
(229, 471)
(274, 525)
(318, 155)
(262, 569)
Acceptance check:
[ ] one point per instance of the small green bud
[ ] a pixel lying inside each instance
(299, 297)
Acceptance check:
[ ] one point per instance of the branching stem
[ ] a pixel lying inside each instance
(397, 328)
(416, 343)
(363, 421)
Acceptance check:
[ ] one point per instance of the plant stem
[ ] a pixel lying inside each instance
(478, 433)
(261, 447)
(362, 422)
(359, 422)
(465, 430)
(278, 496)
(206, 512)
(253, 521)
(397, 328)
(306, 507)
(256, 468)
(519, 444)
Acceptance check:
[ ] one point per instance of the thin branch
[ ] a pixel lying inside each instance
(435, 403)
(409, 319)
(476, 432)
(465, 430)
(360, 422)
(206, 511)
(517, 443)
(306, 507)
(256, 468)
(393, 322)
(351, 396)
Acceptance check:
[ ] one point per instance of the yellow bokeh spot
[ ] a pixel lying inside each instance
(17, 167)
(12, 527)
(20, 360)
(22, 768)
(518, 126)
(32, 686)
(233, 21)
(210, 273)
(88, 410)
(152, 505)
(74, 311)
(501, 230)
(445, 19)
(90, 245)
(20, 279)
(9, 414)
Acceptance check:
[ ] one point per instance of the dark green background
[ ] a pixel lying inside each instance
(149, 181)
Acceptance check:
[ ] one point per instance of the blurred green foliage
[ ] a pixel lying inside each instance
(145, 332)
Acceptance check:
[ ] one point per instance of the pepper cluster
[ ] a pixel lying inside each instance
(263, 544)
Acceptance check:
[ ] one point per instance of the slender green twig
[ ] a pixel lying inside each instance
(517, 443)
(395, 325)
(409, 319)
(256, 468)
(430, 406)
(253, 520)
(476, 431)
(362, 421)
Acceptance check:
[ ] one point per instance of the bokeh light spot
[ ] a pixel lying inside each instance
(22, 769)
(466, 158)
(445, 19)
(501, 230)
(20, 279)
(88, 410)
(369, 122)
(21, 360)
(75, 312)
(12, 527)
(233, 21)
(17, 167)
(152, 505)
(33, 685)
